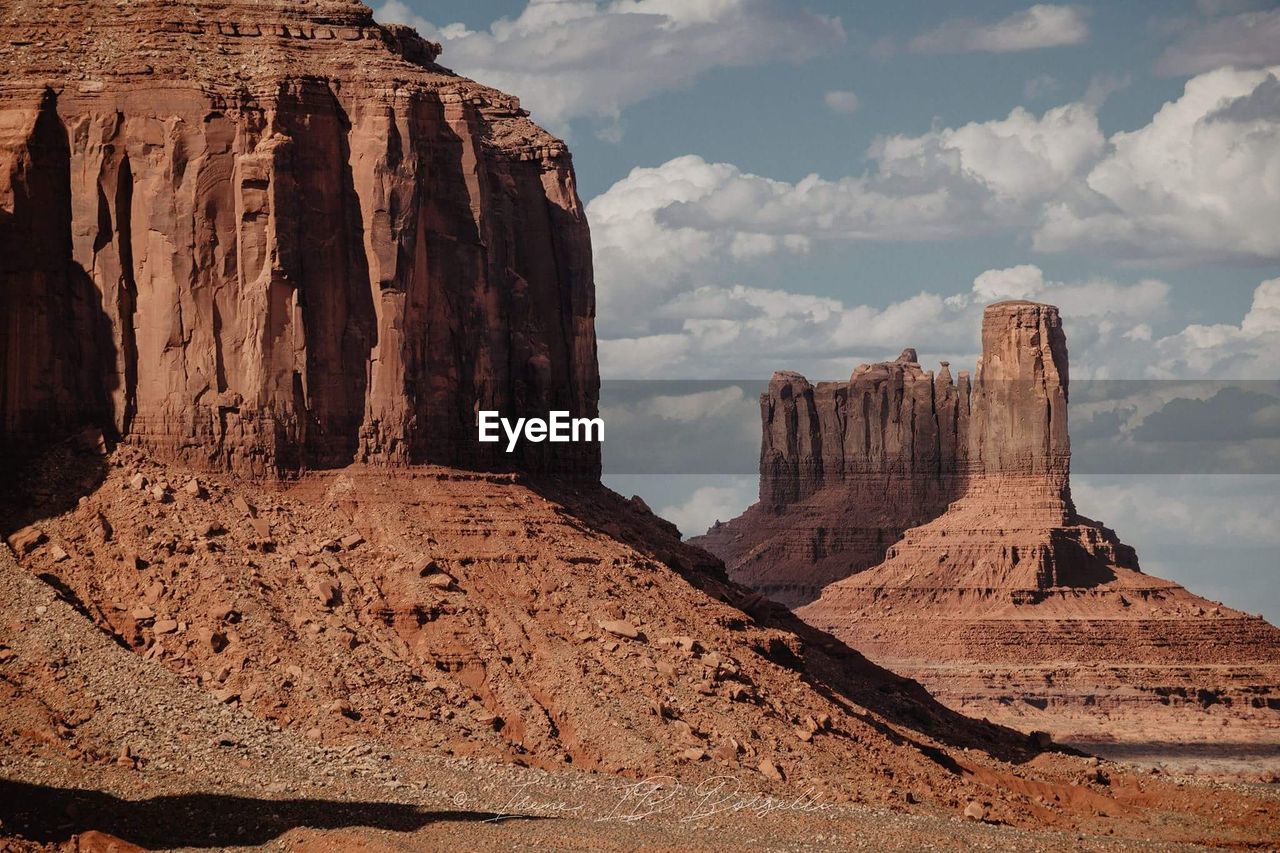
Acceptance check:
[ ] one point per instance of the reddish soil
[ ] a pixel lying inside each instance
(426, 613)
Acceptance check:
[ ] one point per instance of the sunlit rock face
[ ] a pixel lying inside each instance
(272, 236)
(928, 523)
(847, 468)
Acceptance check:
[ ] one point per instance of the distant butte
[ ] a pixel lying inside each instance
(928, 522)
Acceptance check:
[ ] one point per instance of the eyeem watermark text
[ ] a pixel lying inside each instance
(557, 427)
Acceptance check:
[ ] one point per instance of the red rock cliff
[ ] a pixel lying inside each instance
(889, 418)
(930, 525)
(266, 236)
(846, 468)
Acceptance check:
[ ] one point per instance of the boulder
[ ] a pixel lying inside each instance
(619, 628)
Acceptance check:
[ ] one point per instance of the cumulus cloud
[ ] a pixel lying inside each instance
(1250, 350)
(946, 183)
(685, 316)
(1145, 299)
(1042, 25)
(1189, 509)
(841, 101)
(1199, 183)
(571, 58)
(1214, 533)
(1247, 40)
(670, 242)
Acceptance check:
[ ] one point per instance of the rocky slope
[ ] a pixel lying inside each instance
(976, 575)
(104, 750)
(336, 636)
(269, 236)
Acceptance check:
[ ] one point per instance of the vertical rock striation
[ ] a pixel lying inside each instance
(889, 419)
(845, 468)
(848, 468)
(279, 236)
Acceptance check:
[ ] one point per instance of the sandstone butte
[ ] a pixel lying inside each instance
(927, 521)
(260, 263)
(263, 242)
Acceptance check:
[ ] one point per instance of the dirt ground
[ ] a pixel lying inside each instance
(162, 692)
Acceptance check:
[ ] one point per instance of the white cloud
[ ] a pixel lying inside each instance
(946, 183)
(1214, 533)
(1199, 183)
(1248, 40)
(1020, 282)
(1193, 510)
(1248, 351)
(841, 101)
(709, 504)
(1018, 159)
(1042, 25)
(1147, 298)
(572, 58)
(695, 329)
(697, 324)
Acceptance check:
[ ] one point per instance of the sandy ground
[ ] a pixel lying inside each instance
(101, 737)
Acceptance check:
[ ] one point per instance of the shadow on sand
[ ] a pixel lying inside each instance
(48, 815)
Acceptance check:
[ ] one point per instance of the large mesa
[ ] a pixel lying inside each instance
(266, 237)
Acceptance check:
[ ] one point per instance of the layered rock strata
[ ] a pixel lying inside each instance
(264, 237)
(846, 468)
(930, 525)
(272, 236)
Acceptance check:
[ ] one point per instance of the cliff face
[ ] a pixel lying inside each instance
(272, 236)
(895, 420)
(889, 419)
(846, 468)
(928, 522)
(1020, 393)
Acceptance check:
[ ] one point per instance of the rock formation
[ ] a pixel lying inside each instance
(847, 468)
(275, 236)
(929, 523)
(255, 238)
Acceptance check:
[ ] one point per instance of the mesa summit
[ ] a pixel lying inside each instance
(558, 427)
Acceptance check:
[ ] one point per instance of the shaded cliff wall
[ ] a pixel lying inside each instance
(848, 468)
(891, 422)
(51, 336)
(894, 426)
(299, 278)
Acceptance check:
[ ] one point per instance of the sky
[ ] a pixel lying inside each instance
(811, 184)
